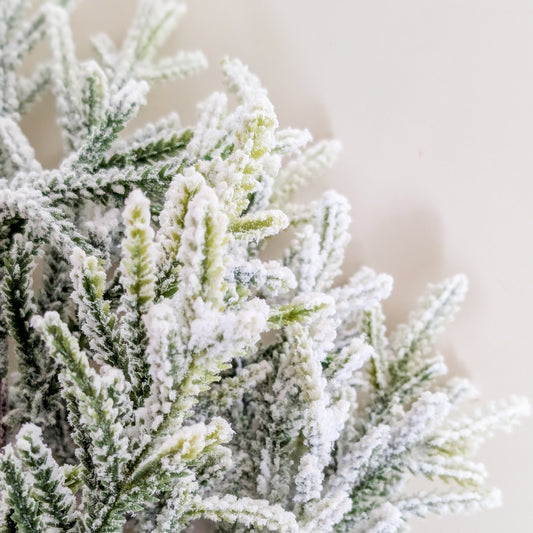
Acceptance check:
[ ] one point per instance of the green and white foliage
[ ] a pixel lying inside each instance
(163, 370)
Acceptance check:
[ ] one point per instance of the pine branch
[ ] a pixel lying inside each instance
(155, 151)
(175, 373)
(138, 279)
(56, 501)
(101, 410)
(99, 324)
(18, 495)
(28, 207)
(317, 252)
(256, 513)
(19, 309)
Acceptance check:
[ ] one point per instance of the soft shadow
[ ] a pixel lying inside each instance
(409, 244)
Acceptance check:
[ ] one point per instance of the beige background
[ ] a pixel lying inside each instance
(433, 101)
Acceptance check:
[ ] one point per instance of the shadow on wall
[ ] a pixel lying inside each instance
(408, 244)
(410, 241)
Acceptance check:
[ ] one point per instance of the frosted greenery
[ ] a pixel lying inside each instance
(162, 369)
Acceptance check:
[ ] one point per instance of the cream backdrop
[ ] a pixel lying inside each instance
(433, 102)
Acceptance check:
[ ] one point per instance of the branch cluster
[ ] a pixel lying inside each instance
(166, 371)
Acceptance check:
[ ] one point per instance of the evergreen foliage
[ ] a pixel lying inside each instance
(165, 371)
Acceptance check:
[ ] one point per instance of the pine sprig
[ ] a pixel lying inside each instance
(25, 512)
(56, 501)
(19, 309)
(153, 152)
(138, 280)
(101, 410)
(99, 322)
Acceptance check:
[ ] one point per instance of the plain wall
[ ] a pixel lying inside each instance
(433, 104)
